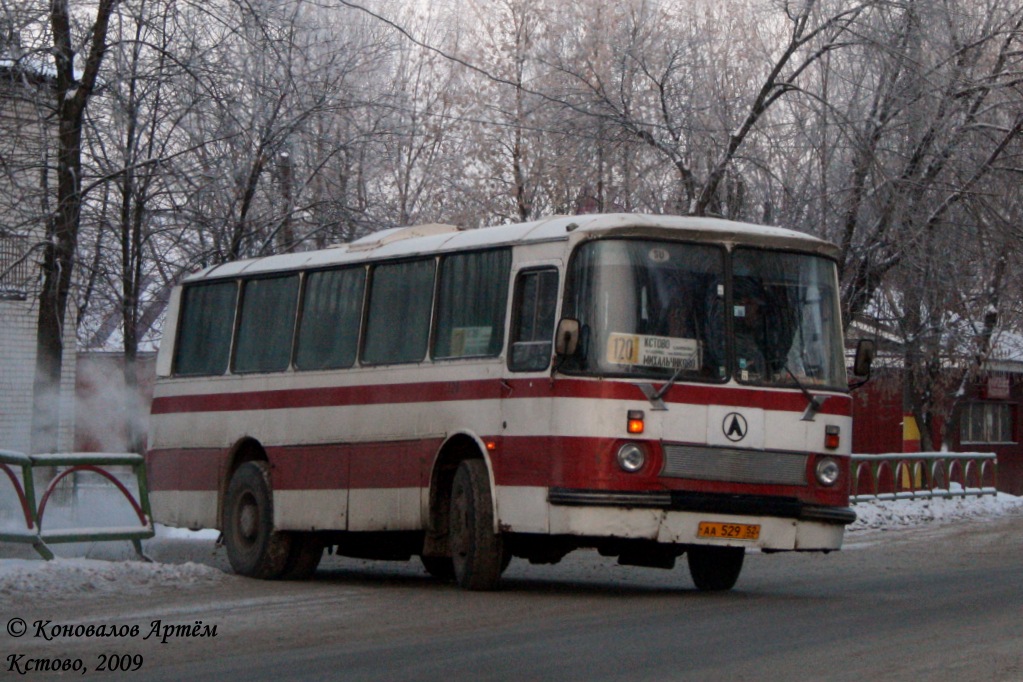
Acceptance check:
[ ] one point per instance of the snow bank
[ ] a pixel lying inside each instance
(67, 577)
(117, 571)
(893, 514)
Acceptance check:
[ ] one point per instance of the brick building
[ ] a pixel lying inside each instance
(27, 141)
(986, 419)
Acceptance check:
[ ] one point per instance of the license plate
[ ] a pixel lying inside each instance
(728, 531)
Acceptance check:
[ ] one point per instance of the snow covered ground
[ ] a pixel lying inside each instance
(117, 570)
(187, 559)
(25, 578)
(890, 515)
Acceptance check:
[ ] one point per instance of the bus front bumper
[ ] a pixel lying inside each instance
(771, 524)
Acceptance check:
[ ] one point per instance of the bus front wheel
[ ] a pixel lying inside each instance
(477, 552)
(254, 548)
(715, 569)
(439, 567)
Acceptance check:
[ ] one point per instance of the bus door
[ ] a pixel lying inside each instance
(523, 465)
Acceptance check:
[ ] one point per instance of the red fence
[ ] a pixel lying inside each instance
(910, 475)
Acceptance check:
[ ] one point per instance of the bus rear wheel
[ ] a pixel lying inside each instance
(477, 552)
(304, 556)
(254, 548)
(715, 569)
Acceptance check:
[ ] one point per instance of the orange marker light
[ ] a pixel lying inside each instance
(491, 445)
(635, 421)
(832, 437)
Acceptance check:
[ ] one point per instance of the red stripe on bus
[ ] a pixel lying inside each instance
(333, 396)
(591, 464)
(584, 463)
(488, 389)
(389, 464)
(185, 469)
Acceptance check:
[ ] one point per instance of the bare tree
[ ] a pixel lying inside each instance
(678, 80)
(132, 137)
(230, 129)
(420, 105)
(73, 88)
(933, 116)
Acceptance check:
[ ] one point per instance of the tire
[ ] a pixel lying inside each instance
(715, 569)
(477, 552)
(254, 548)
(303, 556)
(439, 567)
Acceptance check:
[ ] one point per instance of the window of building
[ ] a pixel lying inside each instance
(471, 303)
(400, 303)
(536, 299)
(328, 335)
(206, 323)
(267, 324)
(986, 423)
(17, 269)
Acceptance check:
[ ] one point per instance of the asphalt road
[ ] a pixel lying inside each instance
(940, 604)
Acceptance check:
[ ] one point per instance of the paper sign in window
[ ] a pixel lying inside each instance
(654, 351)
(470, 341)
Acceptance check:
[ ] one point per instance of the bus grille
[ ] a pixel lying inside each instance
(734, 465)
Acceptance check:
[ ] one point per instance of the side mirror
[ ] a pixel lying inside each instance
(566, 341)
(866, 349)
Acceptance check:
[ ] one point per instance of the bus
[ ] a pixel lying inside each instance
(651, 387)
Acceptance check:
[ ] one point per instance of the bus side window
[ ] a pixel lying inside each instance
(472, 299)
(267, 324)
(536, 298)
(204, 331)
(328, 333)
(400, 304)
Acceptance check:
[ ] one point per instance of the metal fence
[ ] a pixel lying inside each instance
(62, 469)
(912, 475)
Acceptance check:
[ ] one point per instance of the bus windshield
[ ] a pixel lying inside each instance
(654, 309)
(648, 308)
(785, 319)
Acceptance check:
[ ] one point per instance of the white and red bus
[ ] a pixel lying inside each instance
(649, 386)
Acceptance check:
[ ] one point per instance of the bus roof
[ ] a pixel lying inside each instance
(434, 238)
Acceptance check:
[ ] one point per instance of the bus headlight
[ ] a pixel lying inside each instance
(631, 457)
(827, 471)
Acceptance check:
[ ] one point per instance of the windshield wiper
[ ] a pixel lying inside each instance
(655, 396)
(814, 402)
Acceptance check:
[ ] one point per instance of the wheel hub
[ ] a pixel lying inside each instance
(247, 520)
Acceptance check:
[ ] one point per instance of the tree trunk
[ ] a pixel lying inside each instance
(58, 265)
(72, 94)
